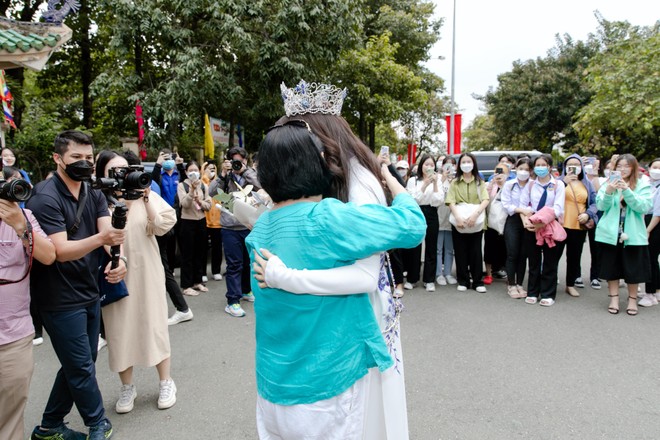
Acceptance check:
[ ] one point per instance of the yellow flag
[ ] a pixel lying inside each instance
(209, 147)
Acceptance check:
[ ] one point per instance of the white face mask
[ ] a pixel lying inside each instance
(522, 175)
(211, 174)
(589, 169)
(606, 172)
(654, 173)
(467, 167)
(5, 164)
(193, 176)
(402, 173)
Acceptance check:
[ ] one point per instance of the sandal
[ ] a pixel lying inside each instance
(613, 310)
(630, 311)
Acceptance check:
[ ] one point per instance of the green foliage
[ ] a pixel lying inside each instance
(536, 100)
(623, 114)
(480, 135)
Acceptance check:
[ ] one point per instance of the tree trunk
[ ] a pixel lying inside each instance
(372, 135)
(86, 64)
(362, 128)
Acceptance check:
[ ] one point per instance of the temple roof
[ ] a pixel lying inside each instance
(30, 45)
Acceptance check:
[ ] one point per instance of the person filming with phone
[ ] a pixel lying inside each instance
(621, 231)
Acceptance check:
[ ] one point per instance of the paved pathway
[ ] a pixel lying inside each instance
(478, 366)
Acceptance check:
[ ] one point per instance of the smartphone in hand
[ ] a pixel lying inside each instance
(384, 150)
(614, 176)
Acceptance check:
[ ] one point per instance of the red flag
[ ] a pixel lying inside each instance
(140, 123)
(457, 134)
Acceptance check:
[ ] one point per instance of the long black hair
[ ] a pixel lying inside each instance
(475, 167)
(420, 165)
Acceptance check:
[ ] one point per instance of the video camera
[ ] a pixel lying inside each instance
(15, 191)
(129, 180)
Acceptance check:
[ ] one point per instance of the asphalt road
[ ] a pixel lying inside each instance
(478, 366)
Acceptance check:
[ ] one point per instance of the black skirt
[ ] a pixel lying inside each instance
(630, 263)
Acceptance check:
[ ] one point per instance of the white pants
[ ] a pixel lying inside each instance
(339, 417)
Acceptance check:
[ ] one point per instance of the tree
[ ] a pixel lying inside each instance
(623, 114)
(535, 101)
(480, 135)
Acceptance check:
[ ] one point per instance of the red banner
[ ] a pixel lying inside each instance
(140, 122)
(457, 134)
(412, 154)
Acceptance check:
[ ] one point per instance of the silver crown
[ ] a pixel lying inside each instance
(312, 98)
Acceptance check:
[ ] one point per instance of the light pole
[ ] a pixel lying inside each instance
(453, 72)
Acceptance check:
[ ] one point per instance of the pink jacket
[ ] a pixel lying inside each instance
(552, 232)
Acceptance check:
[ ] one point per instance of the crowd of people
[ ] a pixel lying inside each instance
(313, 264)
(525, 216)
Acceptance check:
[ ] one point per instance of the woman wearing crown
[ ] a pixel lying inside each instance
(355, 178)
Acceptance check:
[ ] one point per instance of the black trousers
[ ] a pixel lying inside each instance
(172, 287)
(397, 265)
(215, 234)
(574, 244)
(543, 264)
(653, 284)
(494, 249)
(193, 243)
(468, 256)
(430, 243)
(412, 263)
(594, 250)
(516, 258)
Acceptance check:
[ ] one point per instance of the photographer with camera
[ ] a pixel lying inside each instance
(235, 172)
(136, 326)
(21, 240)
(77, 221)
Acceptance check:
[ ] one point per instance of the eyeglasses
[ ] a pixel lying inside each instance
(294, 122)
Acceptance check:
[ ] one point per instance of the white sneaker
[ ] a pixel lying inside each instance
(205, 279)
(430, 287)
(451, 280)
(481, 289)
(126, 400)
(178, 317)
(461, 289)
(408, 286)
(38, 341)
(657, 296)
(217, 277)
(648, 300)
(167, 395)
(441, 280)
(102, 343)
(235, 310)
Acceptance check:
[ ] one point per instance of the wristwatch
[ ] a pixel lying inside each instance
(124, 259)
(23, 236)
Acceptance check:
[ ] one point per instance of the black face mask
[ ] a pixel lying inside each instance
(80, 170)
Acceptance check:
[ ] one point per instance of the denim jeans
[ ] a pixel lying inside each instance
(238, 264)
(445, 253)
(74, 335)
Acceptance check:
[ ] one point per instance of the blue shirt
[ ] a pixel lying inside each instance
(555, 197)
(308, 347)
(168, 186)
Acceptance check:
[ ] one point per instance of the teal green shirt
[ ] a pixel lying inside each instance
(309, 347)
(638, 202)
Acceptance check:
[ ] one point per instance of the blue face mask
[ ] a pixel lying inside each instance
(168, 165)
(541, 171)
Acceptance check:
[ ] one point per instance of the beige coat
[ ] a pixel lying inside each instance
(136, 326)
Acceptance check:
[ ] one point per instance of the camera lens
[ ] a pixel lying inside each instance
(15, 191)
(137, 180)
(236, 165)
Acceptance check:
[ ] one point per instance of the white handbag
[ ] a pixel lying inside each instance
(465, 210)
(497, 215)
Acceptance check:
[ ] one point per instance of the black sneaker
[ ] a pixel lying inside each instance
(595, 284)
(579, 283)
(102, 431)
(58, 433)
(500, 275)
